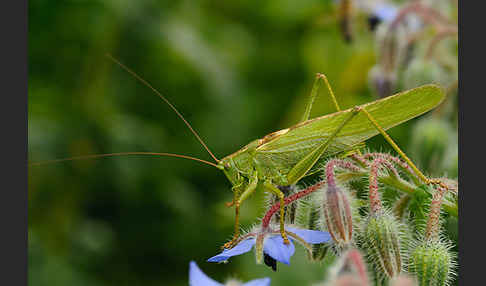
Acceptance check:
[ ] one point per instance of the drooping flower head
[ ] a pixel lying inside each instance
(270, 247)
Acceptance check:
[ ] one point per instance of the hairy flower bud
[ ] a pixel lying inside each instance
(432, 262)
(336, 205)
(451, 157)
(349, 270)
(338, 215)
(382, 238)
(392, 46)
(430, 139)
(403, 280)
(308, 216)
(383, 83)
(422, 71)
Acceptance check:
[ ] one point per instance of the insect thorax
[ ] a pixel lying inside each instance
(241, 166)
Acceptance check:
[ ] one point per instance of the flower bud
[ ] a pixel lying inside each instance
(421, 71)
(308, 216)
(349, 280)
(451, 158)
(381, 82)
(432, 262)
(430, 138)
(382, 238)
(349, 270)
(403, 280)
(338, 215)
(392, 46)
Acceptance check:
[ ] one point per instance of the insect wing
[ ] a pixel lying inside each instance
(286, 149)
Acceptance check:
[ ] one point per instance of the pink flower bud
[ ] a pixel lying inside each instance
(337, 207)
(337, 214)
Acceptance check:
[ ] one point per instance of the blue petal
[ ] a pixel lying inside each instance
(258, 282)
(198, 278)
(242, 247)
(277, 249)
(386, 12)
(311, 236)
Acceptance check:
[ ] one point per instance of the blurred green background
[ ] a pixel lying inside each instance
(237, 70)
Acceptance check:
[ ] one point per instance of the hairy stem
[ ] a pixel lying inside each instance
(390, 180)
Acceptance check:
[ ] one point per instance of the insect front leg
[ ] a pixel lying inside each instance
(272, 188)
(236, 194)
(315, 90)
(238, 199)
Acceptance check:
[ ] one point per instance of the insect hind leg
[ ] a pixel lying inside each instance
(315, 90)
(399, 151)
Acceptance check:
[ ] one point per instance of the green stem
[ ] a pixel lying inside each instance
(398, 184)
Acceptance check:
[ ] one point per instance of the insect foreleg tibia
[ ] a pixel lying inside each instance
(270, 187)
(235, 189)
(315, 90)
(238, 199)
(303, 166)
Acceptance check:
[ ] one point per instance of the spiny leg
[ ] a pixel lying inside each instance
(269, 186)
(399, 151)
(315, 90)
(237, 201)
(236, 233)
(290, 209)
(235, 190)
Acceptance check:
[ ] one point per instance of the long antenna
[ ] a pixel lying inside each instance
(123, 154)
(164, 99)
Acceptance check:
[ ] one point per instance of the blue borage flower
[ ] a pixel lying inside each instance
(198, 278)
(385, 12)
(269, 244)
